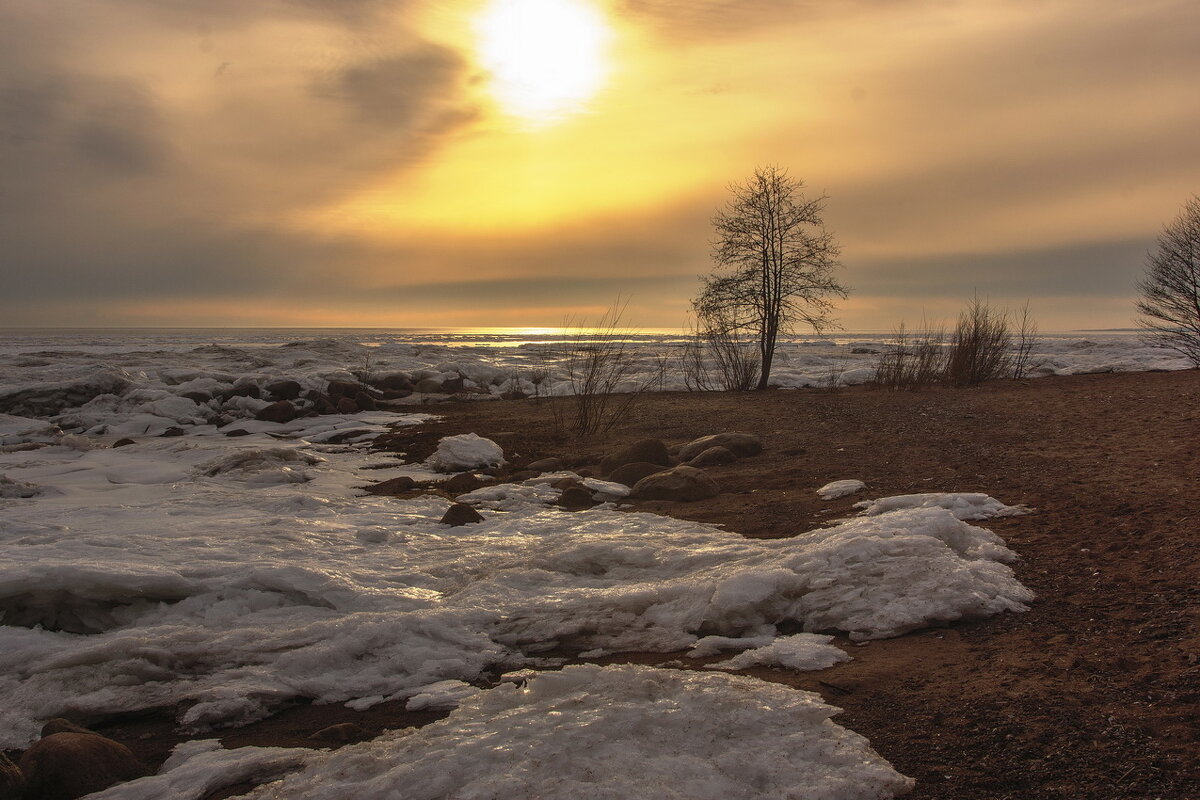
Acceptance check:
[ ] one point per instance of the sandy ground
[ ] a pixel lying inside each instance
(1094, 693)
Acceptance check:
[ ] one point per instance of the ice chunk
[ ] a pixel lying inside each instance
(964, 505)
(466, 451)
(801, 652)
(443, 694)
(592, 733)
(836, 489)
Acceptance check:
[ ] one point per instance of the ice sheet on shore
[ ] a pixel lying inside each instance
(592, 733)
(151, 578)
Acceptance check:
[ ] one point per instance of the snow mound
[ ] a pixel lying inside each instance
(836, 489)
(200, 767)
(963, 505)
(466, 451)
(12, 489)
(801, 652)
(587, 733)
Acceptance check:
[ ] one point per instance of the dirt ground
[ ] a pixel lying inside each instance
(1094, 693)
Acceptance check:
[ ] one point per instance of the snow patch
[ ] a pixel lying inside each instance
(464, 452)
(801, 652)
(963, 505)
(836, 489)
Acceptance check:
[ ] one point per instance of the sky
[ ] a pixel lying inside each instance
(414, 163)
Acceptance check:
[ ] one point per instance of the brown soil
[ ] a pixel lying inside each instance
(1094, 693)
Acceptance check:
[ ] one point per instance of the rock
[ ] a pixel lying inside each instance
(173, 431)
(712, 457)
(365, 402)
(565, 483)
(650, 451)
(199, 398)
(64, 766)
(284, 390)
(460, 514)
(394, 486)
(428, 386)
(12, 781)
(123, 442)
(345, 732)
(513, 395)
(523, 475)
(545, 465)
(237, 432)
(244, 390)
(679, 483)
(342, 389)
(395, 382)
(61, 725)
(346, 405)
(630, 474)
(462, 483)
(452, 385)
(322, 404)
(576, 498)
(740, 444)
(279, 411)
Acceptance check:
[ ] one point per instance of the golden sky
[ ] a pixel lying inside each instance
(516, 162)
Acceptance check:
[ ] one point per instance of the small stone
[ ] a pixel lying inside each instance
(237, 432)
(679, 483)
(712, 457)
(284, 390)
(651, 451)
(279, 411)
(69, 765)
(460, 514)
(462, 483)
(576, 498)
(173, 431)
(393, 486)
(630, 474)
(741, 444)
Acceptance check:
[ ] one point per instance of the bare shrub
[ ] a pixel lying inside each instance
(603, 375)
(1170, 291)
(980, 345)
(1027, 339)
(913, 360)
(719, 355)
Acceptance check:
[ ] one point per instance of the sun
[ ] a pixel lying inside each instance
(544, 58)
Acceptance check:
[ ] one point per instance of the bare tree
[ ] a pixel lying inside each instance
(776, 263)
(1170, 304)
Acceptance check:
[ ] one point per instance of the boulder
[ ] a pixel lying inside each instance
(343, 389)
(284, 390)
(346, 405)
(576, 498)
(462, 483)
(279, 411)
(712, 457)
(394, 486)
(68, 765)
(396, 382)
(460, 514)
(680, 483)
(651, 451)
(545, 465)
(12, 782)
(428, 386)
(365, 402)
(740, 444)
(630, 474)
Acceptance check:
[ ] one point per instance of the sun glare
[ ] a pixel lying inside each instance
(545, 58)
